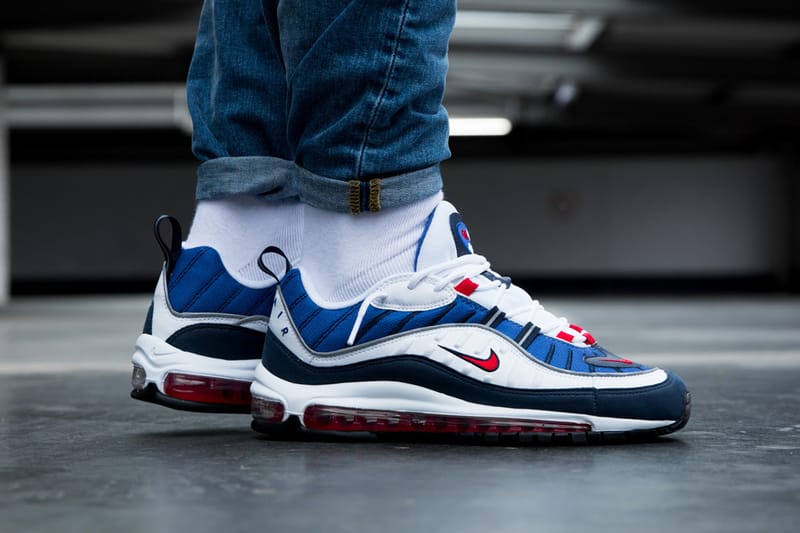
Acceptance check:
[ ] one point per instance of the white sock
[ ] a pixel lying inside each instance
(344, 255)
(240, 227)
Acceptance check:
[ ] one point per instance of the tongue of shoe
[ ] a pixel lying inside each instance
(445, 238)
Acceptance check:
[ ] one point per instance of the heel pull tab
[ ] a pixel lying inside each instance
(266, 269)
(173, 251)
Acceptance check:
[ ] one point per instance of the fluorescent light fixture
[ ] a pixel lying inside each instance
(550, 30)
(97, 106)
(480, 127)
(499, 20)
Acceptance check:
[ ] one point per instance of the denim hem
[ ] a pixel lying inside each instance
(356, 196)
(267, 177)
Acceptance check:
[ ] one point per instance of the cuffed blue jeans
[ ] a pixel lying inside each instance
(337, 103)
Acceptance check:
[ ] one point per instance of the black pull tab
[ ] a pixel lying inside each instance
(266, 269)
(173, 251)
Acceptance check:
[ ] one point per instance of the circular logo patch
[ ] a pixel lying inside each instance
(463, 234)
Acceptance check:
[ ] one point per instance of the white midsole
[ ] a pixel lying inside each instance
(403, 397)
(158, 358)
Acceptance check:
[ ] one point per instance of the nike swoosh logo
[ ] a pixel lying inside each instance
(489, 364)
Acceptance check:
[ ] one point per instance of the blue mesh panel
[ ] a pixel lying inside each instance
(509, 328)
(605, 370)
(540, 348)
(322, 329)
(330, 329)
(389, 322)
(464, 311)
(200, 284)
(423, 319)
(327, 330)
(578, 364)
(559, 359)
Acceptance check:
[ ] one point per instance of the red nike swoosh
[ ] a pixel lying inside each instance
(489, 364)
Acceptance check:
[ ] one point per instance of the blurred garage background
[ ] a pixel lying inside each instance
(626, 144)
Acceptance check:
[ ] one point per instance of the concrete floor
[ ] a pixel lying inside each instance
(76, 454)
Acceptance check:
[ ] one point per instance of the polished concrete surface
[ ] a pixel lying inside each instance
(77, 455)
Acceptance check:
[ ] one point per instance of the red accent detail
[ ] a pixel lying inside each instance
(490, 364)
(465, 233)
(588, 336)
(267, 410)
(466, 286)
(331, 418)
(564, 336)
(205, 389)
(623, 361)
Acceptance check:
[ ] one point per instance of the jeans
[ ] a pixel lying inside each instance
(337, 103)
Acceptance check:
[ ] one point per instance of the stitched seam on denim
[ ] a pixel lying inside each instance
(374, 195)
(354, 196)
(204, 288)
(384, 89)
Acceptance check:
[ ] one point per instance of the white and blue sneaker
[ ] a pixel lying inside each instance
(452, 348)
(203, 335)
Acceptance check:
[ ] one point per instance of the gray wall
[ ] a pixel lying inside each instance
(625, 216)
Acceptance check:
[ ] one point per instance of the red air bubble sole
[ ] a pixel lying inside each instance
(209, 390)
(330, 418)
(267, 410)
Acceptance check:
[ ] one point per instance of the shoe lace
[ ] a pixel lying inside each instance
(499, 292)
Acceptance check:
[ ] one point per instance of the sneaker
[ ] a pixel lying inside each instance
(451, 348)
(203, 335)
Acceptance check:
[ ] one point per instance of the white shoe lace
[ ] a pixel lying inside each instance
(512, 300)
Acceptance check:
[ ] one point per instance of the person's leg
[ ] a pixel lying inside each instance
(367, 127)
(204, 333)
(365, 84)
(236, 93)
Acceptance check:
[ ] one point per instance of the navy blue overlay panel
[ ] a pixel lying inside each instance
(664, 401)
(221, 341)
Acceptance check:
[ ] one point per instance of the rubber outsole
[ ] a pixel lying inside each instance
(292, 429)
(151, 394)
